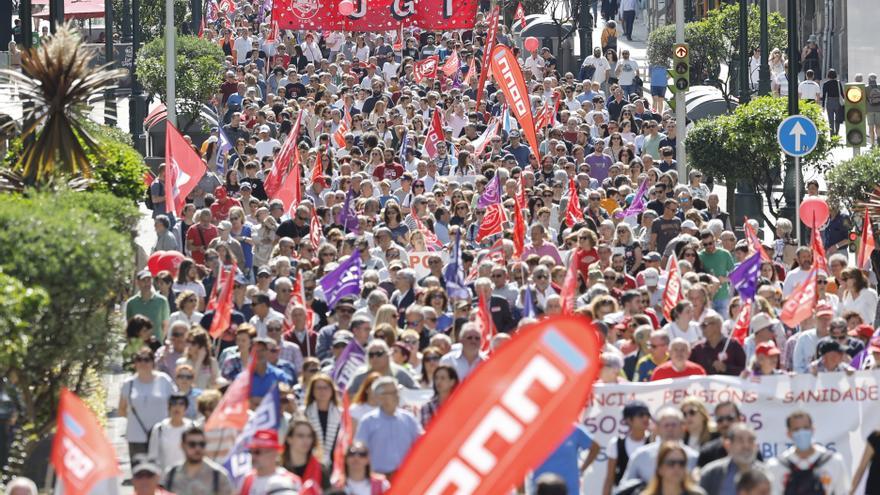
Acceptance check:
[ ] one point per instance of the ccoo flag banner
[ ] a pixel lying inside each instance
(431, 15)
(508, 415)
(506, 70)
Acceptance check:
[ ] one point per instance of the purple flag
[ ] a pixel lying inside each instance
(492, 194)
(347, 217)
(859, 360)
(347, 364)
(638, 204)
(345, 280)
(744, 277)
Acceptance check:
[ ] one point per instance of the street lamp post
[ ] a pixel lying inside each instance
(137, 102)
(764, 71)
(743, 52)
(791, 180)
(170, 60)
(585, 29)
(110, 94)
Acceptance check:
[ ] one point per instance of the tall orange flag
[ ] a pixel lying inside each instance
(867, 246)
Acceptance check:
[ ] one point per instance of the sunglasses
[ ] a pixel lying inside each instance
(431, 358)
(196, 445)
(185, 377)
(358, 453)
(690, 412)
(143, 360)
(675, 463)
(725, 419)
(377, 354)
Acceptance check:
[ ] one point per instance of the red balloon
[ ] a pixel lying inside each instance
(153, 262)
(170, 261)
(814, 212)
(346, 7)
(531, 44)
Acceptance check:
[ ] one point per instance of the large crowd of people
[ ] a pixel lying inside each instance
(414, 210)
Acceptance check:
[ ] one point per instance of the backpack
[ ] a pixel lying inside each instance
(874, 96)
(148, 199)
(215, 479)
(806, 481)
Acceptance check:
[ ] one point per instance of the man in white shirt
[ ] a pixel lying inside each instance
(809, 89)
(266, 143)
(599, 63)
(263, 314)
(535, 64)
(467, 356)
(242, 45)
(805, 346)
(165, 446)
(827, 466)
(798, 275)
(627, 70)
(311, 50)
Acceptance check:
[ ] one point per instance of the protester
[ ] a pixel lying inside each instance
(670, 428)
(742, 451)
(164, 445)
(637, 417)
(388, 432)
(144, 401)
(817, 468)
(196, 472)
(672, 476)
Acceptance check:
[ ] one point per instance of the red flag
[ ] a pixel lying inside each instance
(183, 170)
(573, 213)
(508, 415)
(81, 454)
(818, 247)
(398, 43)
(520, 15)
(519, 230)
(802, 302)
(470, 72)
(298, 296)
(148, 179)
(344, 126)
(318, 169)
(343, 441)
(741, 328)
(492, 222)
(867, 245)
(285, 156)
(547, 115)
(273, 33)
(227, 6)
(290, 193)
(452, 64)
(202, 28)
(672, 292)
(752, 236)
(521, 192)
(435, 133)
(431, 240)
(484, 321)
(223, 304)
(232, 410)
(426, 68)
(570, 283)
(491, 33)
(507, 72)
(315, 230)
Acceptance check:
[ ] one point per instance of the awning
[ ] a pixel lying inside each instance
(74, 9)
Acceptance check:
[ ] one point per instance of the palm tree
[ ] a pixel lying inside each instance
(55, 85)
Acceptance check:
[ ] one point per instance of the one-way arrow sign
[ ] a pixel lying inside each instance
(797, 136)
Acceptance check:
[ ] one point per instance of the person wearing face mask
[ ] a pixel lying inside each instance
(742, 456)
(807, 466)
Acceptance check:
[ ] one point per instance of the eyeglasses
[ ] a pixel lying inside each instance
(432, 358)
(177, 335)
(196, 445)
(358, 453)
(311, 370)
(185, 377)
(675, 463)
(143, 359)
(690, 412)
(376, 354)
(725, 419)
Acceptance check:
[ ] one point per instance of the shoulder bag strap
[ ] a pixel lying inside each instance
(135, 413)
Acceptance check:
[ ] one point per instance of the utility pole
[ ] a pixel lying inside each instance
(744, 86)
(110, 94)
(137, 101)
(764, 71)
(680, 102)
(170, 60)
(791, 185)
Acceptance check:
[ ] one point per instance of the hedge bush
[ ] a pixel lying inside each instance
(851, 180)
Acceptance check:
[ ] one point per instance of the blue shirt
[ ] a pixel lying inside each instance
(659, 76)
(389, 438)
(564, 460)
(246, 248)
(260, 384)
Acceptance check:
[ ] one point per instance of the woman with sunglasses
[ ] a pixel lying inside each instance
(302, 453)
(359, 477)
(198, 356)
(187, 301)
(143, 401)
(615, 145)
(183, 379)
(632, 250)
(672, 476)
(188, 279)
(698, 430)
(322, 410)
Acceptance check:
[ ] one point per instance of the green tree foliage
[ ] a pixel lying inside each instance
(119, 169)
(152, 17)
(714, 40)
(21, 307)
(742, 146)
(199, 62)
(850, 181)
(60, 244)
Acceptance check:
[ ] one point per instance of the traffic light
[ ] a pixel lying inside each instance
(681, 67)
(853, 240)
(855, 110)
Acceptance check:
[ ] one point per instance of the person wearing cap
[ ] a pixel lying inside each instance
(164, 444)
(765, 362)
(763, 329)
(805, 346)
(388, 431)
(222, 204)
(145, 474)
(343, 312)
(378, 356)
(831, 354)
(267, 143)
(265, 451)
(515, 148)
(637, 417)
(679, 364)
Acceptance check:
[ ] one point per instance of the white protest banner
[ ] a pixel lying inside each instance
(419, 261)
(845, 410)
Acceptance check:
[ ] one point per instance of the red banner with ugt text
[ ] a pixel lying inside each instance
(381, 15)
(508, 415)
